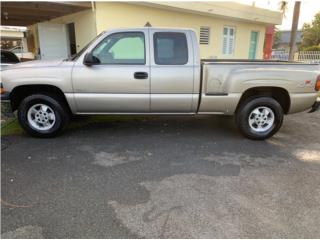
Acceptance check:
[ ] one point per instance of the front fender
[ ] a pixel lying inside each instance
(56, 76)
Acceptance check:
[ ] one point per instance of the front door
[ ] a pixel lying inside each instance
(120, 83)
(52, 40)
(253, 45)
(172, 72)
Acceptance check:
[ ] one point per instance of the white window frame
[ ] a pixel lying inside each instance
(228, 51)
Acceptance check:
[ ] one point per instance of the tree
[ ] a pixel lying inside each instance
(311, 33)
(293, 35)
(276, 39)
(283, 7)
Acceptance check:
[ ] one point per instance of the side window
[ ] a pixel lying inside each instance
(170, 48)
(121, 48)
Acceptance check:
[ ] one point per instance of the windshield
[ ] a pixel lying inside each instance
(77, 55)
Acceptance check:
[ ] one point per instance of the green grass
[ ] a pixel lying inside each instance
(12, 127)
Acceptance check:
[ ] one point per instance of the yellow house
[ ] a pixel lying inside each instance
(225, 29)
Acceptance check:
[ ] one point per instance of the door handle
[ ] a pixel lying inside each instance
(140, 75)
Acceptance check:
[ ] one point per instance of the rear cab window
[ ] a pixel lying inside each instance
(170, 48)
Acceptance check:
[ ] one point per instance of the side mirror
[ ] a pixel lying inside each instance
(90, 60)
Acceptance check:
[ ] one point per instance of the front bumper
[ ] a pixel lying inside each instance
(315, 106)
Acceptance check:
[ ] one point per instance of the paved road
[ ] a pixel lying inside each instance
(170, 177)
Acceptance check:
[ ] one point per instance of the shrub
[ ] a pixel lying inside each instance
(312, 48)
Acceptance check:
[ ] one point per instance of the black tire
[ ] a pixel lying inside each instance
(244, 111)
(60, 110)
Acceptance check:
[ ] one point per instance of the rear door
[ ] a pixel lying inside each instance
(53, 41)
(172, 71)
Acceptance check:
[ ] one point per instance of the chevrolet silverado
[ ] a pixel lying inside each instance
(157, 71)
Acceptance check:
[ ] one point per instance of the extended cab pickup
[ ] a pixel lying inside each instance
(157, 71)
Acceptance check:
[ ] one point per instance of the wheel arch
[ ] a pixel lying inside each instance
(280, 94)
(23, 91)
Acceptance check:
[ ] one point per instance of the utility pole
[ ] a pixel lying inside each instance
(295, 20)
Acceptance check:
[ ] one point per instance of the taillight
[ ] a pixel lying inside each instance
(317, 87)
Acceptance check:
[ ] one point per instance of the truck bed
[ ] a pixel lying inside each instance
(248, 61)
(223, 81)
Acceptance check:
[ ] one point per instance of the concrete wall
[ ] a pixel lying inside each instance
(85, 26)
(115, 14)
(35, 43)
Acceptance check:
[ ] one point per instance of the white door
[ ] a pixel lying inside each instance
(53, 40)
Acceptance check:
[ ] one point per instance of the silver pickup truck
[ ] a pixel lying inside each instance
(157, 71)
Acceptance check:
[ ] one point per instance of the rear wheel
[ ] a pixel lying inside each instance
(42, 115)
(259, 118)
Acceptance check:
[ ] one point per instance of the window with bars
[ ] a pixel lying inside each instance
(204, 35)
(228, 40)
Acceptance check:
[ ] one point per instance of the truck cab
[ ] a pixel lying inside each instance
(147, 70)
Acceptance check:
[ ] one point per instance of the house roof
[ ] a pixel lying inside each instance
(28, 13)
(227, 10)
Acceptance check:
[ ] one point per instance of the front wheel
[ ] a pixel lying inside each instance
(259, 118)
(42, 115)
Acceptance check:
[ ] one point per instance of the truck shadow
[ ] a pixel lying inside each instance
(153, 124)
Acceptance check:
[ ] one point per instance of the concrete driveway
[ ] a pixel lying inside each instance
(163, 177)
